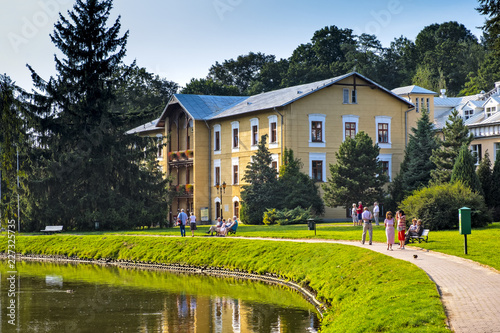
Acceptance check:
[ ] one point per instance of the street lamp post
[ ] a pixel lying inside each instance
(220, 190)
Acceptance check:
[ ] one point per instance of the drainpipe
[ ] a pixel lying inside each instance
(406, 125)
(281, 130)
(209, 173)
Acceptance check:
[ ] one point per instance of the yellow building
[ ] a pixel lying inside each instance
(211, 139)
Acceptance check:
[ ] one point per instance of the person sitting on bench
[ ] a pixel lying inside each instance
(415, 229)
(215, 228)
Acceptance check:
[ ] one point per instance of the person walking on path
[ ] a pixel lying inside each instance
(192, 223)
(389, 229)
(376, 211)
(367, 225)
(182, 218)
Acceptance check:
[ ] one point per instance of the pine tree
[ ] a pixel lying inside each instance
(358, 174)
(484, 175)
(262, 190)
(464, 170)
(297, 188)
(90, 170)
(456, 134)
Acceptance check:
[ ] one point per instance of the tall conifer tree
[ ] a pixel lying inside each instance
(464, 170)
(495, 189)
(484, 175)
(90, 170)
(456, 134)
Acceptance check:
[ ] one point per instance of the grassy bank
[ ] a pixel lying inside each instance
(482, 243)
(364, 291)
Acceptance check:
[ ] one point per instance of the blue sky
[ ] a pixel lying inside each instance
(181, 39)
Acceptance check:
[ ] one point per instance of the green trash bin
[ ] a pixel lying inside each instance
(311, 224)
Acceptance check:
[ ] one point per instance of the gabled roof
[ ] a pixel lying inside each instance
(412, 90)
(496, 99)
(201, 107)
(286, 96)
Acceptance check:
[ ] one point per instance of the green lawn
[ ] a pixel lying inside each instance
(482, 243)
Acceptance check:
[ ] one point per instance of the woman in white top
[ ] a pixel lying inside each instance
(389, 229)
(192, 223)
(354, 214)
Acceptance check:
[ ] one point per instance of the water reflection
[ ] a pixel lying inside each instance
(92, 298)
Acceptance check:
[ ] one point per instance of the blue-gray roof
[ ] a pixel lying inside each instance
(412, 90)
(203, 107)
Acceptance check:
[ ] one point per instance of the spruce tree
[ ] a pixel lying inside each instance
(484, 175)
(297, 189)
(418, 165)
(89, 169)
(261, 191)
(358, 174)
(464, 170)
(455, 134)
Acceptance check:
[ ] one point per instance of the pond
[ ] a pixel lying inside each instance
(53, 297)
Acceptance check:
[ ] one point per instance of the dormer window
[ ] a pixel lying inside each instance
(490, 111)
(468, 114)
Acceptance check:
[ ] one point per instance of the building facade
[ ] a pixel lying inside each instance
(211, 139)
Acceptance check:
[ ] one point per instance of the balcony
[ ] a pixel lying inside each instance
(183, 191)
(181, 158)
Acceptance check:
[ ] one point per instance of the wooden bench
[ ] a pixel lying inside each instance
(424, 237)
(50, 229)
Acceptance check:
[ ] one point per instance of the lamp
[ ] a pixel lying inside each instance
(220, 190)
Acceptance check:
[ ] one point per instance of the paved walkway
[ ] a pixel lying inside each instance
(470, 292)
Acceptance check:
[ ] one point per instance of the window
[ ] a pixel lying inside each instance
(235, 126)
(422, 103)
(490, 111)
(386, 160)
(416, 105)
(468, 113)
(217, 210)
(385, 167)
(316, 132)
(350, 124)
(428, 105)
(235, 175)
(497, 150)
(317, 171)
(350, 130)
(217, 138)
(317, 166)
(274, 163)
(216, 172)
(354, 97)
(349, 96)
(236, 208)
(235, 165)
(254, 128)
(273, 131)
(383, 133)
(476, 152)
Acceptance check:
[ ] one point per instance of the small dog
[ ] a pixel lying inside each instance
(415, 256)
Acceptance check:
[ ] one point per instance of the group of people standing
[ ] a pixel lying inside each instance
(399, 222)
(221, 228)
(182, 219)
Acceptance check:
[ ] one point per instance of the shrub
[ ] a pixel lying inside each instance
(438, 206)
(285, 216)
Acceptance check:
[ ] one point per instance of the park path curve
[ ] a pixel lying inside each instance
(469, 291)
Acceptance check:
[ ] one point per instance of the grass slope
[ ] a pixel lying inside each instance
(365, 291)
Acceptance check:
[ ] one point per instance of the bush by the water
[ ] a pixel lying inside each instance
(438, 206)
(285, 216)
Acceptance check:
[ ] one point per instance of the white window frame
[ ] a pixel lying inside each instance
(387, 158)
(235, 125)
(254, 122)
(217, 165)
(321, 118)
(318, 157)
(235, 161)
(382, 120)
(236, 199)
(217, 128)
(349, 96)
(496, 150)
(349, 119)
(275, 158)
(476, 149)
(273, 119)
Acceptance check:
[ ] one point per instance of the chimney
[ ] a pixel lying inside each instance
(443, 93)
(497, 84)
